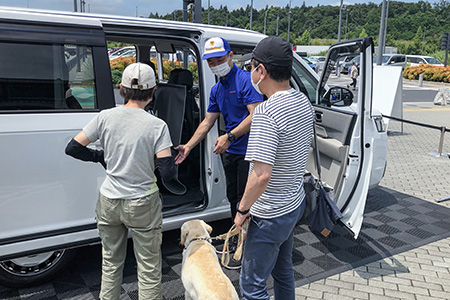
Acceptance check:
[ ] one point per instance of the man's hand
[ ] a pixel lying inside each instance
(222, 143)
(183, 152)
(239, 219)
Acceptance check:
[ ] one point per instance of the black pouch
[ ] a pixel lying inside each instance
(325, 215)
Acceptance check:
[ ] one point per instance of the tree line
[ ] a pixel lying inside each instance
(412, 27)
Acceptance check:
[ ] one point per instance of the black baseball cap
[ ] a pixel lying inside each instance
(274, 50)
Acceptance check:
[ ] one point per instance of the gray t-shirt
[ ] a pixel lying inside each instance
(130, 138)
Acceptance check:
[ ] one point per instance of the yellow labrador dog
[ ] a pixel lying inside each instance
(201, 273)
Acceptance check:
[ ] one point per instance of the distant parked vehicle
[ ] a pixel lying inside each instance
(310, 63)
(392, 60)
(121, 51)
(348, 65)
(129, 52)
(415, 60)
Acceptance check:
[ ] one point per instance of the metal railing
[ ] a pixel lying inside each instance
(442, 129)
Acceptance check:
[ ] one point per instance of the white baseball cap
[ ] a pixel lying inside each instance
(142, 72)
(216, 47)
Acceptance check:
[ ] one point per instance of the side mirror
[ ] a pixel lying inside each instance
(338, 96)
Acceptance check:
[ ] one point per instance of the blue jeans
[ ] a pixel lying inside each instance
(268, 251)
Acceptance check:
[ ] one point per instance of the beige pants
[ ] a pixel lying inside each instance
(143, 217)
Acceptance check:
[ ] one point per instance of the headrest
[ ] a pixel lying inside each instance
(183, 77)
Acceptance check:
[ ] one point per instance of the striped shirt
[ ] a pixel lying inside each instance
(280, 135)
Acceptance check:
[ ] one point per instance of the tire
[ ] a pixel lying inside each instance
(34, 269)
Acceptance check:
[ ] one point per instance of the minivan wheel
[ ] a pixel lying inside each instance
(34, 269)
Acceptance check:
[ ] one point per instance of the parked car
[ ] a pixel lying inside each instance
(392, 60)
(348, 65)
(321, 62)
(48, 199)
(415, 60)
(310, 63)
(118, 52)
(127, 53)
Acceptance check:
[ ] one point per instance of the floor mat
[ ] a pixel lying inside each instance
(393, 223)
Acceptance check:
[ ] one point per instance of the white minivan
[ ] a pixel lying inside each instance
(56, 77)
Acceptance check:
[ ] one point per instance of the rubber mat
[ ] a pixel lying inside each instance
(393, 223)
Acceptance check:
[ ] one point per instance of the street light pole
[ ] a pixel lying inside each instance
(278, 19)
(385, 26)
(251, 14)
(340, 21)
(265, 21)
(75, 5)
(289, 21)
(209, 5)
(346, 23)
(381, 37)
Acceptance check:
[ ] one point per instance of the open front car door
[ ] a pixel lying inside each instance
(345, 129)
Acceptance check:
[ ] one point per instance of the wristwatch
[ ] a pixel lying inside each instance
(231, 137)
(242, 212)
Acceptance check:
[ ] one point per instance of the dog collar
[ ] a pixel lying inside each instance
(208, 239)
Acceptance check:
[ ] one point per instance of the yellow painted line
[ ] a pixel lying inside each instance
(427, 109)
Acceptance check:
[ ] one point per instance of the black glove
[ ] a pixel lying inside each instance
(78, 151)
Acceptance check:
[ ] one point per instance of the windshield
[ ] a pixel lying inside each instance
(384, 60)
(432, 60)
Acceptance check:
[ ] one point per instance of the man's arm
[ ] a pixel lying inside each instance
(222, 143)
(199, 134)
(256, 185)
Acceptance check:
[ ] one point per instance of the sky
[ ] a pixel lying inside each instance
(132, 8)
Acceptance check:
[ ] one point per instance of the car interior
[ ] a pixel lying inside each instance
(177, 102)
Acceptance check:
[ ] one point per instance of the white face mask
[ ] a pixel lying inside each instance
(221, 70)
(255, 85)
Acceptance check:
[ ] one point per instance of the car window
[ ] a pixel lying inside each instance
(432, 60)
(398, 59)
(46, 77)
(306, 81)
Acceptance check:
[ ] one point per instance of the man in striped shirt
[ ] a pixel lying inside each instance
(280, 137)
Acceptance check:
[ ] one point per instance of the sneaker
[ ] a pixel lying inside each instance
(233, 243)
(348, 86)
(234, 264)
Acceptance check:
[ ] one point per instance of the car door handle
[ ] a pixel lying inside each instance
(319, 117)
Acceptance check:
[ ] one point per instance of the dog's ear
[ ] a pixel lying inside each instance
(207, 227)
(184, 233)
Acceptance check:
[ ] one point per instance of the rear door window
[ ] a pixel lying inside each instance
(46, 77)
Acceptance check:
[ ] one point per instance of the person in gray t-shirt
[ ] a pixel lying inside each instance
(129, 197)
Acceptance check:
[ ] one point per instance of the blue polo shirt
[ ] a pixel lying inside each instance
(230, 96)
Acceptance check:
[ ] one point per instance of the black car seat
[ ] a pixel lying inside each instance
(191, 121)
(169, 106)
(191, 115)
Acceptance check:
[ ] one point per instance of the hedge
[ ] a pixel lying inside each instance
(120, 63)
(430, 73)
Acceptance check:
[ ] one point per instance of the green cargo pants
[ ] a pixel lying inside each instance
(143, 217)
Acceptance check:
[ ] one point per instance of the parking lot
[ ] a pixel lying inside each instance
(403, 251)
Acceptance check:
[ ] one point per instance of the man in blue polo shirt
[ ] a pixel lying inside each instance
(233, 96)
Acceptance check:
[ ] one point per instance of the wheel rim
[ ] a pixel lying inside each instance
(32, 265)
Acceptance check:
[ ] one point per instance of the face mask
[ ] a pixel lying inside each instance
(221, 70)
(255, 85)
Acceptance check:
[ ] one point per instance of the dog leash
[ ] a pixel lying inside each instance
(225, 260)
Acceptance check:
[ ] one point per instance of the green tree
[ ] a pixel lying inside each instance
(304, 39)
(363, 33)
